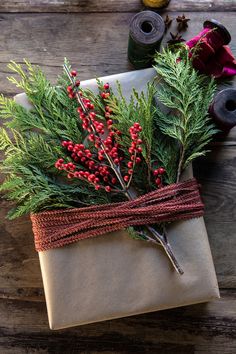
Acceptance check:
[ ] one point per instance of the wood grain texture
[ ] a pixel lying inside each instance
(203, 328)
(110, 5)
(45, 39)
(217, 174)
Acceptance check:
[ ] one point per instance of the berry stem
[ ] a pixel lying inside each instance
(131, 176)
(152, 235)
(85, 111)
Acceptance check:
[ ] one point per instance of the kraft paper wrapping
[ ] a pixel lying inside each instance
(114, 276)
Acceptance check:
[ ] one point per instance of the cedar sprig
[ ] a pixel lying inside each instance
(53, 113)
(31, 141)
(186, 96)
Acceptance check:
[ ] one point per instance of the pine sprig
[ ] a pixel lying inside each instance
(186, 96)
(45, 192)
(31, 141)
(53, 112)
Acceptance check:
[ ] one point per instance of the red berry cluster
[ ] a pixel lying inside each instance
(70, 89)
(89, 120)
(94, 172)
(105, 94)
(108, 113)
(91, 166)
(134, 150)
(158, 173)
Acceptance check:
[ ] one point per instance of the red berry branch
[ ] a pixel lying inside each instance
(104, 139)
(101, 166)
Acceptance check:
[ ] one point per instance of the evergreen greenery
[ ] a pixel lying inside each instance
(183, 127)
(31, 139)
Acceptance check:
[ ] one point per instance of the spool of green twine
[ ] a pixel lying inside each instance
(146, 32)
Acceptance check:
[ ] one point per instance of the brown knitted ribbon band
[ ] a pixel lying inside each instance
(58, 228)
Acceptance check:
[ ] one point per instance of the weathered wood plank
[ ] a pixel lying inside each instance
(45, 39)
(217, 174)
(203, 328)
(19, 265)
(110, 5)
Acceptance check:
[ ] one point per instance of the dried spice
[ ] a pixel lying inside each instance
(175, 38)
(182, 22)
(168, 21)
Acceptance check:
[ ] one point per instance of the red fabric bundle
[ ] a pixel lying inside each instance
(210, 55)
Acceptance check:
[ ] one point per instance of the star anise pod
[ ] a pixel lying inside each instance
(168, 20)
(182, 22)
(175, 38)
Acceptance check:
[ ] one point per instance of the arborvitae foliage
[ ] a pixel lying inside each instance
(183, 127)
(31, 140)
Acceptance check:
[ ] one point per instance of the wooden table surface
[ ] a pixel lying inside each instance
(93, 35)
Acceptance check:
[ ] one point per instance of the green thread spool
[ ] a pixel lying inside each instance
(146, 32)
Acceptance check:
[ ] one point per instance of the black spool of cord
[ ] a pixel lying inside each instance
(223, 109)
(146, 32)
(216, 25)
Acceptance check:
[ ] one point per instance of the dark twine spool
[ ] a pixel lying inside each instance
(146, 32)
(221, 29)
(223, 109)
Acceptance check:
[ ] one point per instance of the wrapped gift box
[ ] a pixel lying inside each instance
(114, 276)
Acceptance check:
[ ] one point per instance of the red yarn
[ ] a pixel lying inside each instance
(61, 227)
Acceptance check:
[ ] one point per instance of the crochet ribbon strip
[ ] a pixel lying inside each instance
(58, 228)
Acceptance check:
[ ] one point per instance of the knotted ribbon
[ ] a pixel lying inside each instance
(58, 228)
